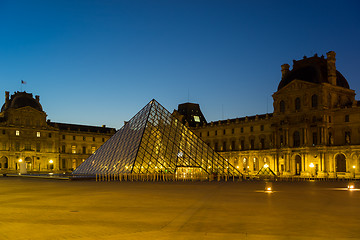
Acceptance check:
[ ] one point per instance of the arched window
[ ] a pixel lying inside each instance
(297, 104)
(296, 138)
(282, 106)
(314, 101)
(340, 163)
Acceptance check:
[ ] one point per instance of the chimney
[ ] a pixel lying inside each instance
(284, 70)
(331, 69)
(7, 94)
(37, 97)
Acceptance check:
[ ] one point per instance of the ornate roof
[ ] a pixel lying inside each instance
(314, 70)
(22, 99)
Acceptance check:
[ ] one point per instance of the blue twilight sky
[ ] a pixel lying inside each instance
(100, 61)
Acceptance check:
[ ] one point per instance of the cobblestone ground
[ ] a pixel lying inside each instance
(58, 209)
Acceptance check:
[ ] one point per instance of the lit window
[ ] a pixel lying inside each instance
(73, 149)
(197, 118)
(17, 133)
(92, 149)
(37, 134)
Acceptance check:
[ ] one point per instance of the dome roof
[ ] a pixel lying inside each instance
(22, 99)
(314, 70)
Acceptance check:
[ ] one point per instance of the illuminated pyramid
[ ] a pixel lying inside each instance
(265, 171)
(155, 141)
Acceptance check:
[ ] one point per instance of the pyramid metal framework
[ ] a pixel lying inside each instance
(155, 141)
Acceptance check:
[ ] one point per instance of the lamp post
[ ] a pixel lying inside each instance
(311, 165)
(51, 162)
(354, 168)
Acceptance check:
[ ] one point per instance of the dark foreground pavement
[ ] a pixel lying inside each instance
(53, 209)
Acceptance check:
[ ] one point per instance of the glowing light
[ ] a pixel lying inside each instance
(51, 161)
(268, 187)
(237, 166)
(266, 165)
(351, 186)
(20, 160)
(354, 166)
(311, 165)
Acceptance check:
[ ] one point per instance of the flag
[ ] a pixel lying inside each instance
(23, 82)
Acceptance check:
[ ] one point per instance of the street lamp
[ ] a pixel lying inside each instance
(311, 165)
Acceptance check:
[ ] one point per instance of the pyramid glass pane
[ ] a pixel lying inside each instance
(155, 141)
(117, 155)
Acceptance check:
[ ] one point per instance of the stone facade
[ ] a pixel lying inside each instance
(314, 130)
(28, 138)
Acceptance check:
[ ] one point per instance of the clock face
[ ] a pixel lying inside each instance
(197, 118)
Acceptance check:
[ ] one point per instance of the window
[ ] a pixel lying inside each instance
(282, 106)
(215, 132)
(242, 130)
(347, 137)
(233, 145)
(252, 144)
(200, 134)
(63, 136)
(63, 148)
(93, 149)
(208, 133)
(232, 131)
(17, 146)
(224, 146)
(63, 163)
(296, 138)
(314, 101)
(224, 131)
(74, 138)
(17, 133)
(251, 129)
(196, 118)
(27, 147)
(347, 118)
(314, 138)
(73, 149)
(37, 147)
(297, 104)
(103, 139)
(93, 139)
(49, 135)
(84, 138)
(329, 119)
(281, 140)
(37, 134)
(262, 128)
(84, 150)
(216, 146)
(3, 131)
(242, 144)
(262, 143)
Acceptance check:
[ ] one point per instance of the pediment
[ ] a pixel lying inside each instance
(297, 85)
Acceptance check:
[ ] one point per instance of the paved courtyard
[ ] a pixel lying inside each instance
(59, 209)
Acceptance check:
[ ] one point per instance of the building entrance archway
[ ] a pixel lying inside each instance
(28, 162)
(4, 162)
(340, 163)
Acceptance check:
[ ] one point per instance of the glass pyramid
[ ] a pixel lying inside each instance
(155, 141)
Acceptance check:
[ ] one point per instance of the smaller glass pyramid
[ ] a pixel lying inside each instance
(155, 141)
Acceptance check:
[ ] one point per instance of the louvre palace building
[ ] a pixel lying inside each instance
(314, 130)
(27, 137)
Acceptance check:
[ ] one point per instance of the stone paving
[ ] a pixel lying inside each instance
(60, 209)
